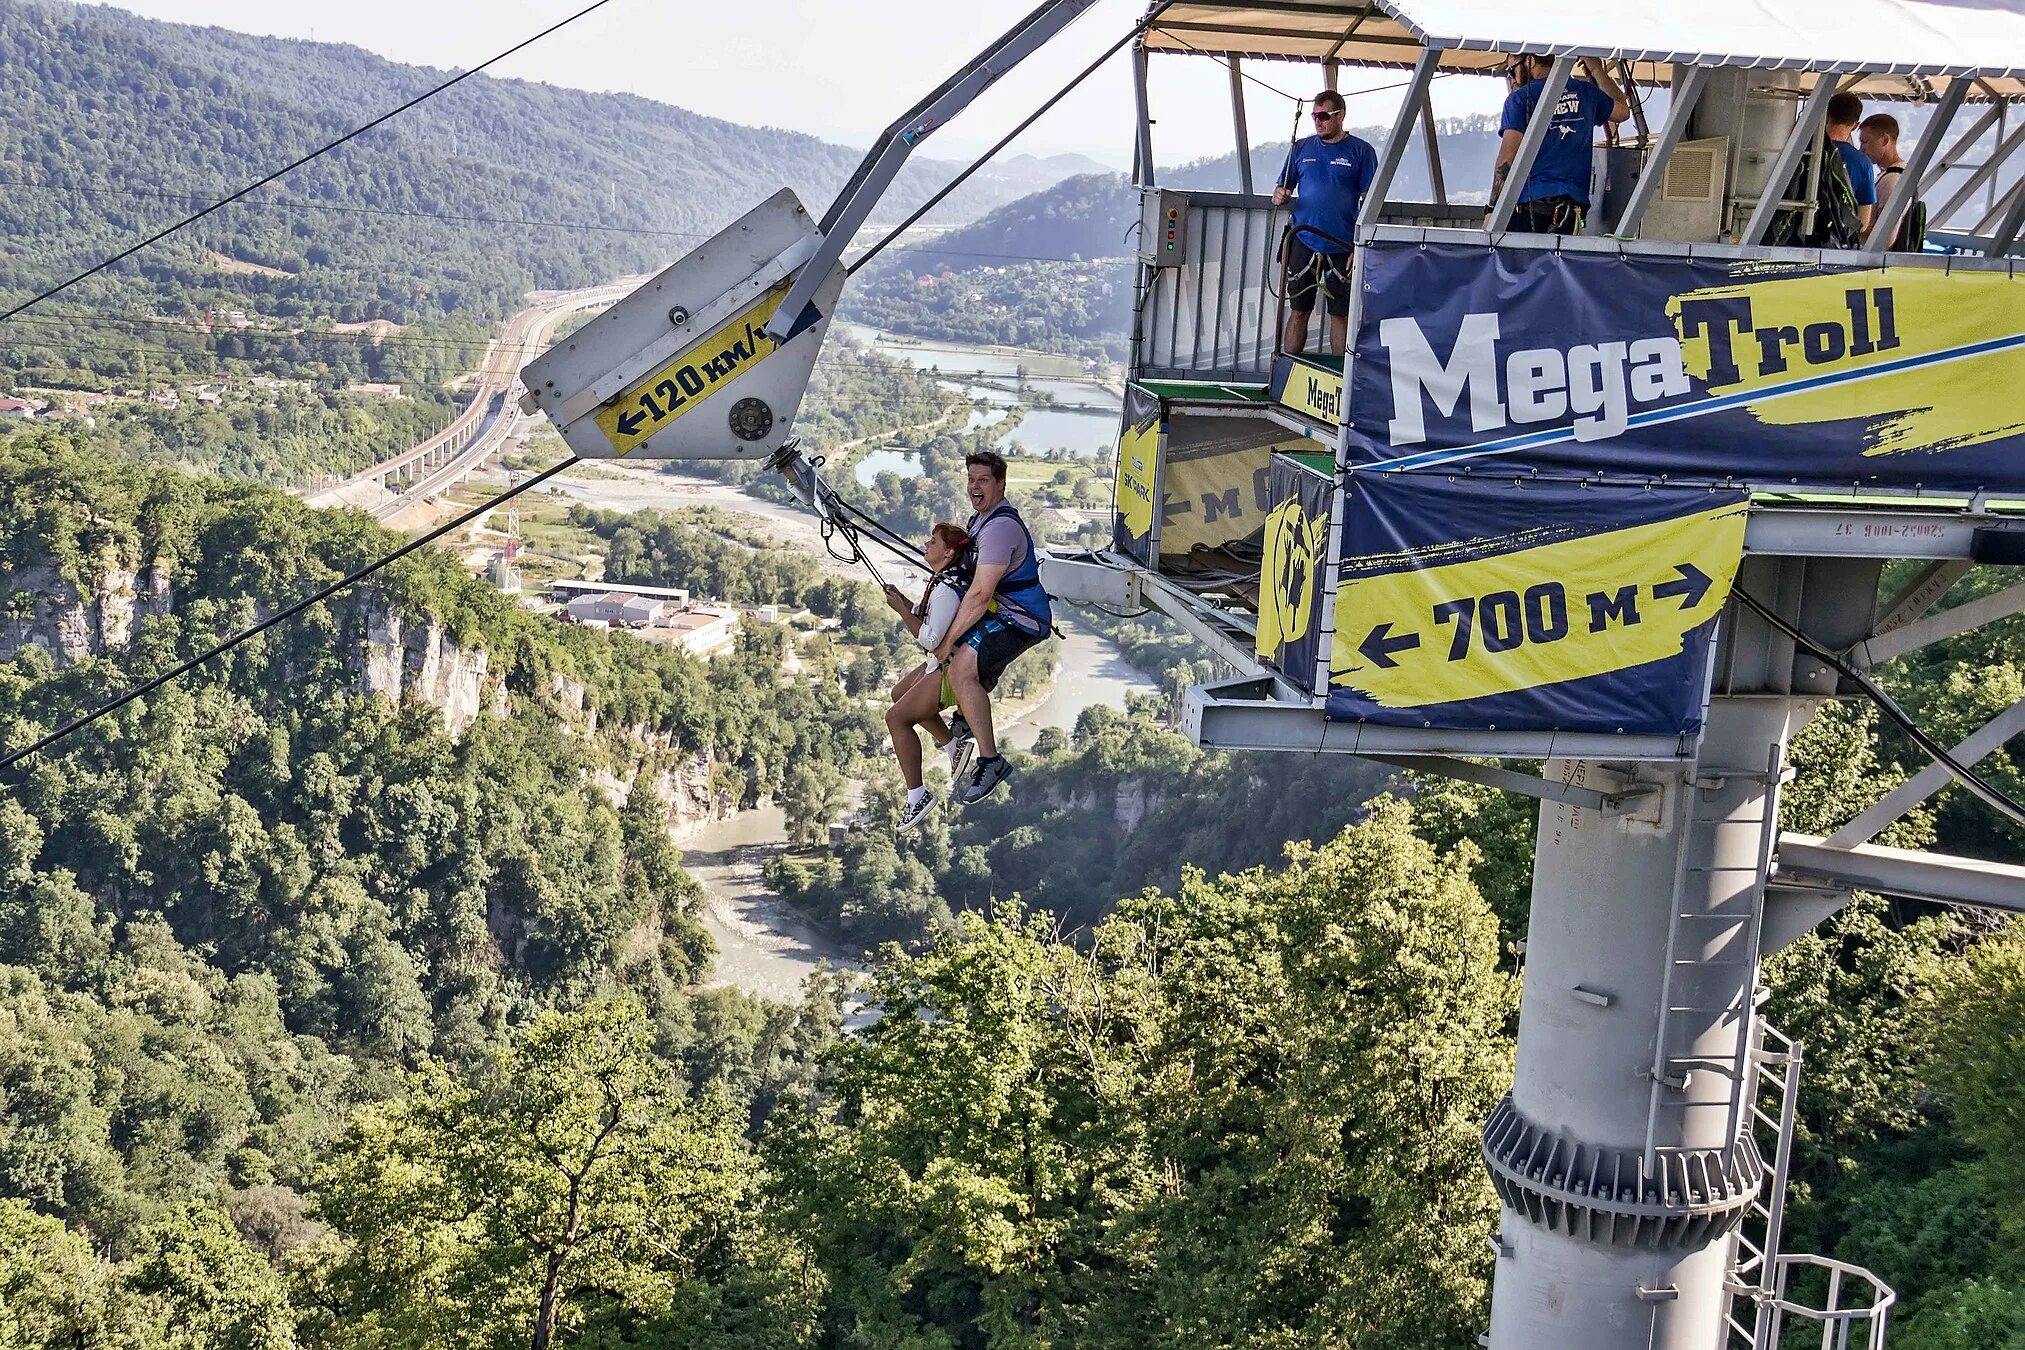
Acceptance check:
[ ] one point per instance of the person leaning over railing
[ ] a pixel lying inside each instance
(1556, 194)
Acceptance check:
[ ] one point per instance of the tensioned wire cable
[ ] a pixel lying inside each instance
(575, 226)
(219, 649)
(255, 186)
(987, 156)
(352, 578)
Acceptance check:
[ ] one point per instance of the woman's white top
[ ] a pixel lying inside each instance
(942, 601)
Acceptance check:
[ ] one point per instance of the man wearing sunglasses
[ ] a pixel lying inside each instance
(1332, 170)
(1556, 195)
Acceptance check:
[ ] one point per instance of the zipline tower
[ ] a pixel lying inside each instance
(1622, 502)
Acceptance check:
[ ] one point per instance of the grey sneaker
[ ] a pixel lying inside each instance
(983, 779)
(962, 745)
(961, 752)
(910, 815)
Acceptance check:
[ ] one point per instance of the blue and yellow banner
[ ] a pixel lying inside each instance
(1136, 488)
(1519, 606)
(1794, 375)
(1292, 553)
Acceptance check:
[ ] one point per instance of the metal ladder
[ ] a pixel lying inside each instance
(1759, 1273)
(1690, 933)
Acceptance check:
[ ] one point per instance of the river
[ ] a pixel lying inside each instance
(763, 947)
(1085, 421)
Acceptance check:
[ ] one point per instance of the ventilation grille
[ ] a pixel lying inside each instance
(1694, 173)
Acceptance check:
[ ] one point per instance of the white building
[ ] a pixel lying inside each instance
(618, 610)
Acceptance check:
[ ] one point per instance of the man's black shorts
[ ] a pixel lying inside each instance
(1304, 278)
(998, 642)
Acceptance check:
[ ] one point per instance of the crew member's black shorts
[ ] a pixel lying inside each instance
(997, 642)
(1549, 215)
(1305, 278)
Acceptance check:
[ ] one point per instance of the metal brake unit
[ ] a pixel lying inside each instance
(689, 365)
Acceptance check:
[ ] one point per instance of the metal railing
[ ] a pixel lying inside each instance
(1212, 318)
(1837, 1322)
(1759, 1273)
(1216, 317)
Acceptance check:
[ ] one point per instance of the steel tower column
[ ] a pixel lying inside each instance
(1623, 1155)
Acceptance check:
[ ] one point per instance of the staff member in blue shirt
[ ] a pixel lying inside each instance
(1331, 171)
(1556, 195)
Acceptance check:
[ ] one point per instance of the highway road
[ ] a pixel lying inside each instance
(492, 410)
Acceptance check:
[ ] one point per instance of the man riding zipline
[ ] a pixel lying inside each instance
(1005, 610)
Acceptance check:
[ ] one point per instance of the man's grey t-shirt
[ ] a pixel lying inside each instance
(1003, 541)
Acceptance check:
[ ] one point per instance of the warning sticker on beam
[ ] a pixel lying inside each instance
(1472, 604)
(688, 379)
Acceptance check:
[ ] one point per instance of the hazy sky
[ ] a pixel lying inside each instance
(839, 69)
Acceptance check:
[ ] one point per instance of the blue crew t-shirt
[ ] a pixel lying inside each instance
(1562, 167)
(1862, 175)
(1329, 183)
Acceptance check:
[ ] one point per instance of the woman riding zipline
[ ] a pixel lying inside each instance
(922, 693)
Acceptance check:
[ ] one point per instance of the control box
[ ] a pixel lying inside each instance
(1163, 227)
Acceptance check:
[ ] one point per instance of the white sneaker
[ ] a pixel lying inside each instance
(912, 812)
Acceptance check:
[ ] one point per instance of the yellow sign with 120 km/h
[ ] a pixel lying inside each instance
(655, 401)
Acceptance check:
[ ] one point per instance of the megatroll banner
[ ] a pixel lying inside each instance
(1524, 606)
(1776, 374)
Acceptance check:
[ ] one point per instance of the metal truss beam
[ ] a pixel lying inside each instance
(1402, 129)
(876, 172)
(1524, 784)
(1925, 591)
(1893, 211)
(1251, 714)
(1963, 618)
(1935, 776)
(1229, 636)
(1806, 132)
(1529, 145)
(1941, 877)
(1884, 532)
(1685, 96)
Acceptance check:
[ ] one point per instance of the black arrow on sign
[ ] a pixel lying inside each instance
(631, 422)
(1691, 587)
(1377, 648)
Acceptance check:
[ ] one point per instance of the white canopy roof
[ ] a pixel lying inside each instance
(1902, 48)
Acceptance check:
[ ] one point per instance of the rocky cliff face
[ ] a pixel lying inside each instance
(408, 658)
(400, 658)
(41, 609)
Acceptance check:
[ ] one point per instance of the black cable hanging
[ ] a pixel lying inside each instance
(354, 133)
(351, 579)
(1978, 786)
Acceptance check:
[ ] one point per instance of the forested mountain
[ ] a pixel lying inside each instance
(111, 125)
(323, 1026)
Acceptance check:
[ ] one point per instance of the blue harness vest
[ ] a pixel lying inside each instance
(1020, 588)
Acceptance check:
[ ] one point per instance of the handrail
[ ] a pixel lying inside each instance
(1837, 1321)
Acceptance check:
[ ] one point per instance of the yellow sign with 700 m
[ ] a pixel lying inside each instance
(1535, 617)
(700, 371)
